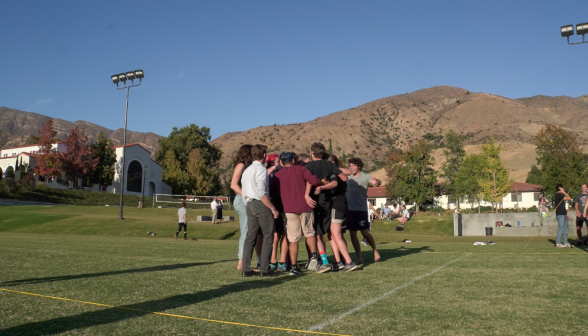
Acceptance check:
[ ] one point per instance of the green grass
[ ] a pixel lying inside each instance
(520, 286)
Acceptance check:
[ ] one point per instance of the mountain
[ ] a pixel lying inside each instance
(16, 127)
(371, 129)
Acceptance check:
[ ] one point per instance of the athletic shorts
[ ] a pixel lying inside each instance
(279, 223)
(322, 218)
(298, 226)
(357, 220)
(580, 222)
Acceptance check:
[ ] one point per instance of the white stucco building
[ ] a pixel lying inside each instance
(142, 178)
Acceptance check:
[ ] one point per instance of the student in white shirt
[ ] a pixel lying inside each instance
(213, 207)
(260, 212)
(405, 215)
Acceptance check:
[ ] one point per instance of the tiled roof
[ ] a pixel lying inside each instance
(379, 192)
(523, 187)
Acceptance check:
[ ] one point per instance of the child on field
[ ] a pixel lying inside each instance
(182, 221)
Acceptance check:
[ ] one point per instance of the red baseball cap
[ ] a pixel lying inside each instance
(271, 157)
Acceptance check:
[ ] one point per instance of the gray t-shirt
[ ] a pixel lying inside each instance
(357, 191)
(581, 201)
(181, 214)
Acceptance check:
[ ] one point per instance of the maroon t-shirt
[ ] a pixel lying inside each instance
(290, 182)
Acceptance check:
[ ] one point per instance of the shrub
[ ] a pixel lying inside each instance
(12, 185)
(27, 183)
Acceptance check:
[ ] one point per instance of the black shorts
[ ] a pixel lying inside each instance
(279, 223)
(580, 222)
(357, 220)
(322, 218)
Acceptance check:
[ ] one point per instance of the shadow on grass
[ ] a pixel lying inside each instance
(396, 253)
(33, 281)
(229, 235)
(112, 315)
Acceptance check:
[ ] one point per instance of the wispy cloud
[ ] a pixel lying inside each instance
(45, 101)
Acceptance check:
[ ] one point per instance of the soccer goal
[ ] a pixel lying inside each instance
(192, 201)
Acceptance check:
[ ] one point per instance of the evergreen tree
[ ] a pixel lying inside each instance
(105, 153)
(454, 155)
(330, 147)
(180, 144)
(559, 160)
(412, 177)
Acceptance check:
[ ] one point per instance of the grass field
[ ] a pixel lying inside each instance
(437, 285)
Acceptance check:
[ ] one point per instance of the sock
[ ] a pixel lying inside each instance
(185, 234)
(324, 258)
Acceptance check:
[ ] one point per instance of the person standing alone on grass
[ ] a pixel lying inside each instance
(580, 205)
(561, 240)
(357, 216)
(182, 221)
(214, 208)
(260, 212)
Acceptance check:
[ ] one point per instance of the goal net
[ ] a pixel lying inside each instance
(192, 201)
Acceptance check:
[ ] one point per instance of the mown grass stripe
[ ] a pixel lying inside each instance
(170, 315)
(372, 301)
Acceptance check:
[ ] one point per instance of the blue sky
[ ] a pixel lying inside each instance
(234, 65)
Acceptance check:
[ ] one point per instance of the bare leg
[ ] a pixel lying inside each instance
(308, 249)
(293, 250)
(339, 243)
(356, 246)
(284, 249)
(370, 239)
(274, 258)
(321, 244)
(334, 246)
(240, 266)
(311, 245)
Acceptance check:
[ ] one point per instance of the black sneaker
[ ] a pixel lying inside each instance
(270, 274)
(349, 267)
(306, 265)
(324, 268)
(248, 274)
(295, 270)
(338, 266)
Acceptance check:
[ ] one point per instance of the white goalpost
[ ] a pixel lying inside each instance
(199, 202)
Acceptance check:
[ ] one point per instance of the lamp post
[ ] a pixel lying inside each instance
(116, 79)
(568, 30)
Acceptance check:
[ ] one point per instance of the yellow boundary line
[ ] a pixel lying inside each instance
(171, 315)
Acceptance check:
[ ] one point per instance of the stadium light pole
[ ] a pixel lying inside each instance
(568, 30)
(116, 79)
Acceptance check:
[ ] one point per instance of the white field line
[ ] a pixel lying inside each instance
(370, 302)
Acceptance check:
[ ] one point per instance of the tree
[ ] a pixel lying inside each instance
(105, 153)
(202, 179)
(180, 144)
(173, 174)
(454, 155)
(47, 163)
(494, 182)
(330, 147)
(559, 160)
(467, 179)
(412, 178)
(78, 161)
(344, 157)
(535, 176)
(33, 139)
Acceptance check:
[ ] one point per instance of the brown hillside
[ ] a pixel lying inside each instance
(369, 130)
(16, 127)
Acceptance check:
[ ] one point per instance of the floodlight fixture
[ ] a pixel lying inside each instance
(131, 75)
(139, 74)
(114, 79)
(582, 28)
(567, 30)
(122, 77)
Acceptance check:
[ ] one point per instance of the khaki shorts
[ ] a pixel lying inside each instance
(298, 226)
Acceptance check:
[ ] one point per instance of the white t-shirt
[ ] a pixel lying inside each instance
(213, 205)
(182, 215)
(406, 213)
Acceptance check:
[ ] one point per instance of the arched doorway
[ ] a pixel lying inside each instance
(134, 176)
(10, 172)
(151, 189)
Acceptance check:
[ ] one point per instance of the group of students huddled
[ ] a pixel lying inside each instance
(282, 198)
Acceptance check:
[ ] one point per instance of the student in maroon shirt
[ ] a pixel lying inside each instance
(290, 181)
